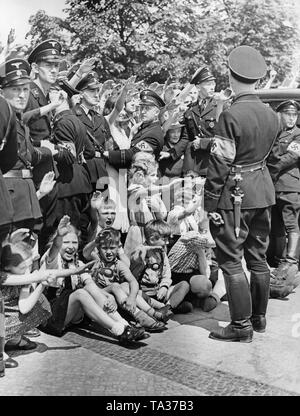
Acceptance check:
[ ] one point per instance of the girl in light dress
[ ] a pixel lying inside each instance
(118, 123)
(71, 298)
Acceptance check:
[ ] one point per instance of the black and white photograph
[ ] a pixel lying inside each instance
(149, 201)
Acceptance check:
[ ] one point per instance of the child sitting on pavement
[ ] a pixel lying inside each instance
(115, 277)
(24, 308)
(156, 282)
(72, 297)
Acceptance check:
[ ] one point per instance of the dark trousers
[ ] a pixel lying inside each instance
(252, 241)
(285, 213)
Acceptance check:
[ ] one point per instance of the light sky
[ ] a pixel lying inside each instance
(15, 14)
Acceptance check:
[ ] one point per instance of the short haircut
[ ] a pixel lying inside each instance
(14, 254)
(156, 228)
(108, 236)
(104, 202)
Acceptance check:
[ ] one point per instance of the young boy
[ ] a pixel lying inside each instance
(114, 276)
(105, 210)
(150, 266)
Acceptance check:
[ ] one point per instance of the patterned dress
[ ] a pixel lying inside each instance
(17, 323)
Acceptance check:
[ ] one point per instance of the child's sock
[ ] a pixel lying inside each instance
(117, 328)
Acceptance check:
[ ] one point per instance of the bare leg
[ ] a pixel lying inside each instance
(100, 298)
(81, 299)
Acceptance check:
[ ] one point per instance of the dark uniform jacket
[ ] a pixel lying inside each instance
(199, 121)
(40, 126)
(170, 167)
(23, 194)
(40, 129)
(284, 164)
(244, 135)
(70, 138)
(98, 134)
(8, 158)
(149, 138)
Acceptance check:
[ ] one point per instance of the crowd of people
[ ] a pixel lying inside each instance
(124, 204)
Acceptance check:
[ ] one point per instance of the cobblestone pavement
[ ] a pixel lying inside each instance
(181, 361)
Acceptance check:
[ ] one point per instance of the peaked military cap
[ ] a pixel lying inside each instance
(90, 81)
(14, 72)
(49, 50)
(288, 105)
(202, 74)
(149, 97)
(246, 64)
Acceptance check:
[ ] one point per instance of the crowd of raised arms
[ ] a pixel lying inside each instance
(103, 218)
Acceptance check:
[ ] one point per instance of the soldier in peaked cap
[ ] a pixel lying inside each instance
(284, 168)
(149, 136)
(98, 132)
(239, 193)
(15, 80)
(199, 124)
(45, 60)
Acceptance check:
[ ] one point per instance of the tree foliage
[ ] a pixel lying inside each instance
(158, 38)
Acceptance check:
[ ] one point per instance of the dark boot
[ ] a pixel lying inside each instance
(279, 250)
(292, 257)
(259, 288)
(239, 300)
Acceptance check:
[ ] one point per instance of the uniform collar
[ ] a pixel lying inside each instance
(146, 124)
(246, 96)
(85, 109)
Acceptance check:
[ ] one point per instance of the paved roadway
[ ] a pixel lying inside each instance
(181, 361)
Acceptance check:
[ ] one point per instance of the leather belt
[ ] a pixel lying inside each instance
(23, 173)
(248, 168)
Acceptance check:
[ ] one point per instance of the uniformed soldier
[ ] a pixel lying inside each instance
(45, 59)
(199, 124)
(15, 82)
(284, 168)
(8, 158)
(74, 186)
(239, 193)
(97, 127)
(149, 137)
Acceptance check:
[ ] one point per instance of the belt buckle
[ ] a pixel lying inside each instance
(26, 174)
(97, 154)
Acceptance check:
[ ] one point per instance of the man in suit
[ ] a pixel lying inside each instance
(239, 193)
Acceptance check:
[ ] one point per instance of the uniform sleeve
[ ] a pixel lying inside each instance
(222, 155)
(123, 158)
(64, 137)
(278, 162)
(9, 153)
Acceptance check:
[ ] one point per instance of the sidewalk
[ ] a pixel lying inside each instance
(181, 361)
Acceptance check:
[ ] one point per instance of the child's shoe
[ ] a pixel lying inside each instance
(164, 314)
(131, 334)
